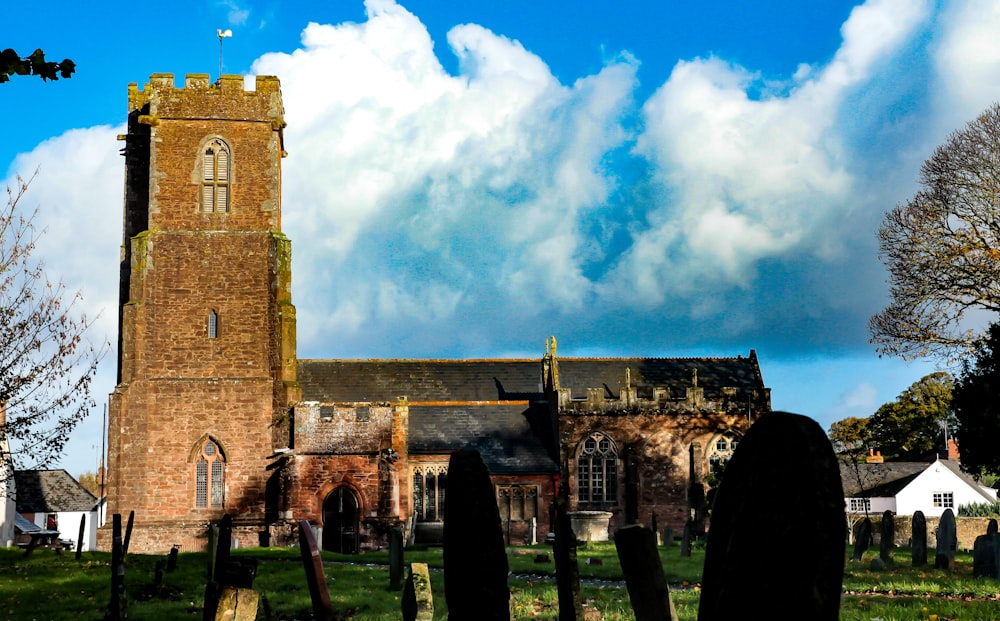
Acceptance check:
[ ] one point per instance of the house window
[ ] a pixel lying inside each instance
(944, 500)
(210, 473)
(215, 177)
(429, 482)
(517, 502)
(213, 325)
(597, 470)
(860, 505)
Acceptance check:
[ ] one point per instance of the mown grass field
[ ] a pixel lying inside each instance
(50, 587)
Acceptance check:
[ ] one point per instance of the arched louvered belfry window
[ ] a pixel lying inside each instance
(216, 166)
(210, 476)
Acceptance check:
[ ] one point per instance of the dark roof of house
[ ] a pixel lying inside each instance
(50, 491)
(515, 379)
(501, 433)
(878, 480)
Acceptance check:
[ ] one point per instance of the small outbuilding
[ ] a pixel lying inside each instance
(53, 500)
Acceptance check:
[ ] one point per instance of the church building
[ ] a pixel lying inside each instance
(214, 414)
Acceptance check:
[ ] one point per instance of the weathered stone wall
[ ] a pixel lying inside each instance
(967, 529)
(177, 386)
(659, 441)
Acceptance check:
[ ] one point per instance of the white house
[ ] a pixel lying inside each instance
(907, 487)
(7, 493)
(53, 499)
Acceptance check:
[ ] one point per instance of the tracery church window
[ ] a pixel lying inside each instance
(429, 483)
(597, 470)
(721, 452)
(517, 502)
(215, 177)
(213, 324)
(210, 475)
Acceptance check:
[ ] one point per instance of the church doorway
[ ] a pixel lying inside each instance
(341, 519)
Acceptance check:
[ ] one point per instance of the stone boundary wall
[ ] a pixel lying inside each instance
(968, 528)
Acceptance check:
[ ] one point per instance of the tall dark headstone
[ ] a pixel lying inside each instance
(918, 539)
(118, 607)
(564, 551)
(947, 541)
(315, 577)
(888, 537)
(644, 577)
(738, 566)
(418, 601)
(862, 539)
(395, 559)
(79, 538)
(172, 558)
(475, 560)
(984, 556)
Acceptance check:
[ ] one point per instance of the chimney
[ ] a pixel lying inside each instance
(953, 450)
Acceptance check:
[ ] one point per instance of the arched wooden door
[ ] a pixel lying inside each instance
(341, 519)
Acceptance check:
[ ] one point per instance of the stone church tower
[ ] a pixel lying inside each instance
(206, 356)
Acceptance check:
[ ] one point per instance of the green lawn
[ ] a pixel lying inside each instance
(56, 587)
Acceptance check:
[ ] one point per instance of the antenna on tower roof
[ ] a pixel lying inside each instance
(222, 35)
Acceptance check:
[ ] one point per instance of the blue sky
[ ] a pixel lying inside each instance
(465, 179)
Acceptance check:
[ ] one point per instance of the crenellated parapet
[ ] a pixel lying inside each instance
(226, 99)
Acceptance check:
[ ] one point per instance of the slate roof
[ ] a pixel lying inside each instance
(515, 379)
(501, 433)
(50, 491)
(878, 480)
(25, 525)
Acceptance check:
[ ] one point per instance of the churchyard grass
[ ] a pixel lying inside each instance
(58, 587)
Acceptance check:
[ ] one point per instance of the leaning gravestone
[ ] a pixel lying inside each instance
(475, 560)
(947, 541)
(863, 539)
(686, 538)
(737, 567)
(315, 576)
(418, 601)
(918, 539)
(644, 577)
(888, 537)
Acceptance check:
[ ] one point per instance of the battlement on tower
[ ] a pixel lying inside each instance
(200, 98)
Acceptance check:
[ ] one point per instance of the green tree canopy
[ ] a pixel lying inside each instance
(912, 427)
(942, 247)
(12, 63)
(850, 436)
(976, 402)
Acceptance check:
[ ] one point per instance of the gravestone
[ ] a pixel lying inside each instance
(236, 604)
(564, 551)
(158, 571)
(888, 537)
(79, 538)
(644, 577)
(947, 541)
(991, 527)
(475, 560)
(395, 559)
(984, 555)
(128, 534)
(668, 536)
(741, 559)
(863, 539)
(918, 539)
(686, 539)
(315, 577)
(118, 607)
(418, 601)
(172, 558)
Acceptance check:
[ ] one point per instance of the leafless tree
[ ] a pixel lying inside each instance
(942, 248)
(46, 362)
